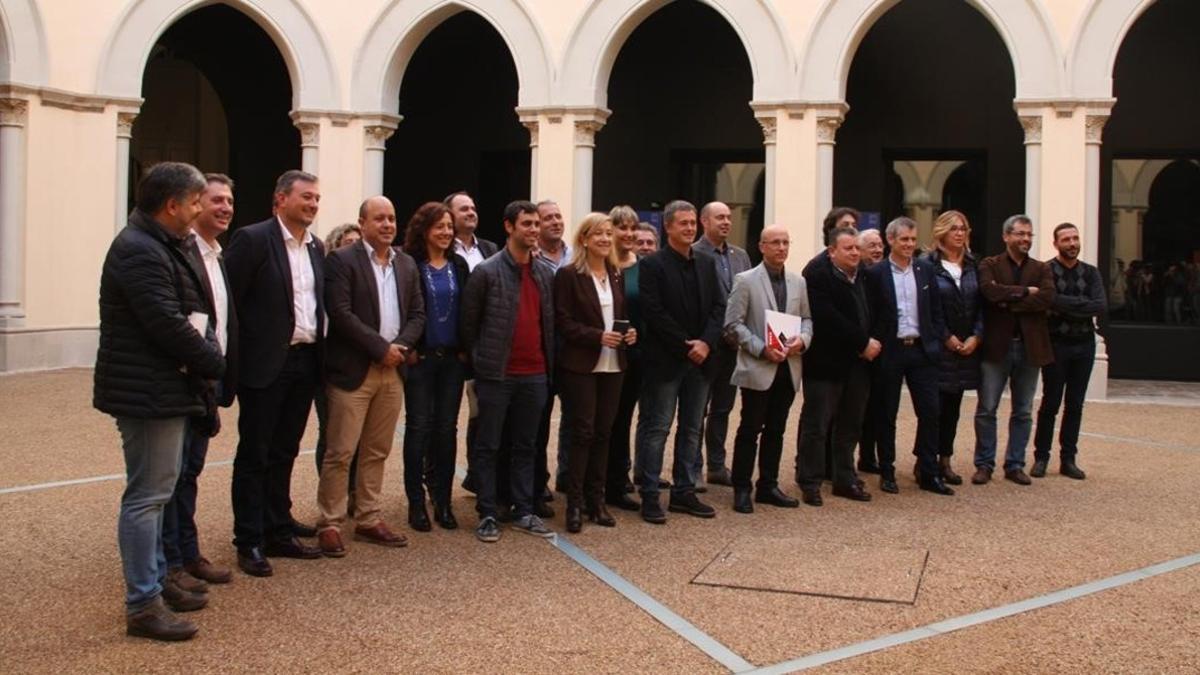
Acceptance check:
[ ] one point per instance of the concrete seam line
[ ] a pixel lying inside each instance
(1140, 441)
(100, 479)
(985, 616)
(660, 612)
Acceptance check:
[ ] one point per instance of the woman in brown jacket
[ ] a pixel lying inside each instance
(589, 308)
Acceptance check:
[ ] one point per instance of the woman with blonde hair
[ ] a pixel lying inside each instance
(957, 279)
(342, 235)
(590, 316)
(617, 485)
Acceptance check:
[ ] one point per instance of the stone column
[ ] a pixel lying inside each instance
(375, 135)
(125, 120)
(310, 142)
(769, 123)
(531, 124)
(828, 121)
(14, 113)
(587, 123)
(1094, 122)
(1032, 124)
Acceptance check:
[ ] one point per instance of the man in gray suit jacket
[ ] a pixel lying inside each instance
(768, 373)
(731, 261)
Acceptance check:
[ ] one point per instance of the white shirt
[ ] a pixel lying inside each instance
(389, 296)
(607, 363)
(216, 280)
(471, 253)
(304, 286)
(905, 281)
(955, 271)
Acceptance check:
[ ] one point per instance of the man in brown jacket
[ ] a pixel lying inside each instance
(1017, 292)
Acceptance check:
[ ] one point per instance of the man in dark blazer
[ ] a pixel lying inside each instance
(684, 316)
(376, 317)
(836, 379)
(1017, 294)
(908, 323)
(731, 260)
(186, 567)
(276, 273)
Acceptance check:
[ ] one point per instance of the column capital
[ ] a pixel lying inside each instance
(376, 136)
(531, 125)
(14, 112)
(769, 124)
(125, 121)
(1032, 124)
(827, 129)
(1094, 127)
(585, 132)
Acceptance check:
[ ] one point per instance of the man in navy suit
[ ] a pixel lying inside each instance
(276, 274)
(908, 323)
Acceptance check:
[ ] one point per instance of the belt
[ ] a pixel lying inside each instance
(909, 341)
(440, 352)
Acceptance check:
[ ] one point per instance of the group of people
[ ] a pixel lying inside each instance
(378, 320)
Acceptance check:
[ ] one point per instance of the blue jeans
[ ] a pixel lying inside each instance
(1071, 371)
(433, 394)
(1022, 380)
(153, 449)
(181, 543)
(519, 401)
(660, 395)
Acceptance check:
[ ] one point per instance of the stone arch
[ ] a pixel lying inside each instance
(1096, 44)
(23, 58)
(403, 24)
(606, 24)
(841, 26)
(314, 79)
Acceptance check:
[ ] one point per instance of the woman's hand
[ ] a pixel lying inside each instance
(631, 336)
(610, 338)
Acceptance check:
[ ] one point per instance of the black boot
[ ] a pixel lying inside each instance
(741, 500)
(574, 519)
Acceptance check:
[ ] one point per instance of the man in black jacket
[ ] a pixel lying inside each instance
(376, 316)
(683, 312)
(158, 356)
(186, 568)
(836, 379)
(276, 272)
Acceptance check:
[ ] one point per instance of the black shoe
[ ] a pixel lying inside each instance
(776, 497)
(652, 512)
(867, 466)
(600, 516)
(542, 510)
(937, 486)
(1068, 469)
(1039, 469)
(719, 476)
(299, 529)
(690, 504)
(811, 496)
(889, 486)
(623, 502)
(445, 517)
(854, 491)
(741, 500)
(291, 548)
(418, 517)
(574, 519)
(252, 561)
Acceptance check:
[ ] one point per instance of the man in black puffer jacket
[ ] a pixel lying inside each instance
(157, 359)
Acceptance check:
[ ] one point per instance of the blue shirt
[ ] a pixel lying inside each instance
(441, 306)
(905, 281)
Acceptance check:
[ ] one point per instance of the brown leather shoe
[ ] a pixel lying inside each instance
(187, 582)
(157, 622)
(948, 474)
(1018, 476)
(201, 568)
(983, 475)
(853, 491)
(329, 540)
(380, 534)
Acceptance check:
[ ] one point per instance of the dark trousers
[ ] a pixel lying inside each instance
(868, 442)
(949, 406)
(541, 465)
(721, 397)
(824, 401)
(321, 403)
(764, 419)
(519, 401)
(913, 366)
(270, 425)
(1070, 373)
(433, 394)
(181, 543)
(619, 462)
(592, 399)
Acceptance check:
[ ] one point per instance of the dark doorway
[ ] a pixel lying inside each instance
(217, 94)
(681, 126)
(460, 130)
(929, 76)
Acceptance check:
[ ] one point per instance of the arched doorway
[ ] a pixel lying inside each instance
(217, 94)
(931, 92)
(460, 129)
(681, 125)
(1150, 182)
